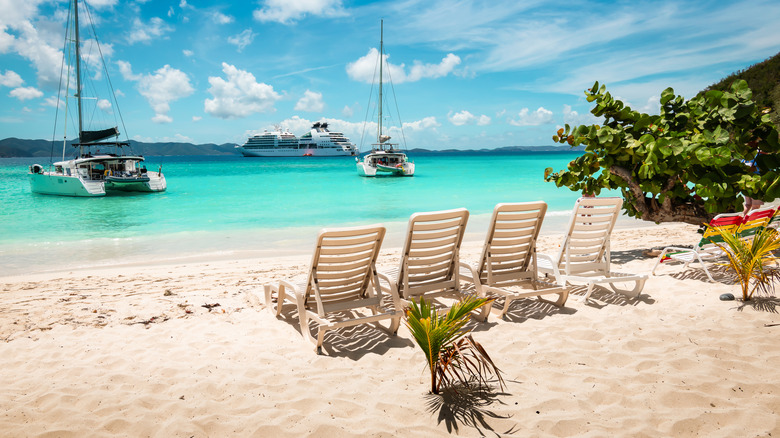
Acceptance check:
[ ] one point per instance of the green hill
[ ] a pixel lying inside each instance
(763, 79)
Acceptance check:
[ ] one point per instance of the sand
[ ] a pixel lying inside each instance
(188, 349)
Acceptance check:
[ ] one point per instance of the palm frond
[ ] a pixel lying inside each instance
(450, 356)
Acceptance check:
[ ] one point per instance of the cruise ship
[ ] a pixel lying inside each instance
(318, 142)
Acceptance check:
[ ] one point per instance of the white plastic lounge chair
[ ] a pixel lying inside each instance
(342, 278)
(507, 266)
(430, 258)
(585, 254)
(707, 249)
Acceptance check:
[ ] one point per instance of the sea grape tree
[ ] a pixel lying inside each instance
(687, 164)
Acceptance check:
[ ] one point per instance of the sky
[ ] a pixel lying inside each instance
(466, 74)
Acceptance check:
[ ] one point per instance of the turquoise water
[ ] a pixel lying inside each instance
(217, 203)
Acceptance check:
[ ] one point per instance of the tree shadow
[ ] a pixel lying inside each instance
(762, 304)
(468, 406)
(623, 257)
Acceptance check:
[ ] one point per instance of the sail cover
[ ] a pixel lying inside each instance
(93, 136)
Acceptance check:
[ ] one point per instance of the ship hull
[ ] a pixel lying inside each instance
(292, 152)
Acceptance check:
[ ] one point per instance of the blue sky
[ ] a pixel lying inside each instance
(466, 74)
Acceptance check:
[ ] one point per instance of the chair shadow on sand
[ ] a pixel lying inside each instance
(352, 342)
(468, 406)
(603, 296)
(720, 273)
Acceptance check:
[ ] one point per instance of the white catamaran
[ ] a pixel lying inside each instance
(384, 159)
(91, 173)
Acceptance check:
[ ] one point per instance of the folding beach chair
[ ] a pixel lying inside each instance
(342, 279)
(585, 254)
(507, 265)
(707, 249)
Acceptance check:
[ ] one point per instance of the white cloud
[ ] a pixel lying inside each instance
(101, 3)
(196, 118)
(221, 18)
(10, 79)
(36, 44)
(187, 53)
(466, 118)
(289, 11)
(25, 93)
(162, 118)
(364, 68)
(126, 70)
(104, 105)
(526, 118)
(145, 32)
(240, 95)
(347, 111)
(242, 40)
(164, 86)
(170, 12)
(311, 102)
(423, 124)
(461, 118)
(574, 118)
(53, 102)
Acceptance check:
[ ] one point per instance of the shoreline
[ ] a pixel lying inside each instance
(204, 246)
(188, 349)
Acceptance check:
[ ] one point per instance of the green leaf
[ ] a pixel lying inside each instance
(667, 95)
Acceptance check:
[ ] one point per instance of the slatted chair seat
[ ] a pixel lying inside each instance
(585, 253)
(507, 266)
(342, 279)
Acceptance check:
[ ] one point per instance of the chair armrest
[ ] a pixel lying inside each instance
(391, 288)
(556, 272)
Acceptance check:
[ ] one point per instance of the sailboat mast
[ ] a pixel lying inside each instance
(381, 61)
(78, 64)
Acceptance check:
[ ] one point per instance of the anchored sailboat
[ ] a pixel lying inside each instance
(384, 158)
(91, 173)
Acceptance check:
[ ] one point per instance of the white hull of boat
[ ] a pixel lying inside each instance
(67, 185)
(295, 152)
(365, 169)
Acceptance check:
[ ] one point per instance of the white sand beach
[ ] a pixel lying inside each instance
(187, 349)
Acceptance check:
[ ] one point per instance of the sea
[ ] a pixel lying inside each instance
(222, 207)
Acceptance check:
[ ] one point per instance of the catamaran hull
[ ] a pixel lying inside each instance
(365, 169)
(64, 185)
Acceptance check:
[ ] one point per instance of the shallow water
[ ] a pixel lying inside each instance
(224, 204)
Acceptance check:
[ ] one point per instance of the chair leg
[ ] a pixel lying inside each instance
(395, 322)
(320, 338)
(507, 303)
(590, 291)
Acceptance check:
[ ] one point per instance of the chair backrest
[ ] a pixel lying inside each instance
(429, 261)
(754, 221)
(586, 245)
(510, 245)
(343, 269)
(726, 221)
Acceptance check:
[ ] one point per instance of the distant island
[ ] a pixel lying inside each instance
(16, 147)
